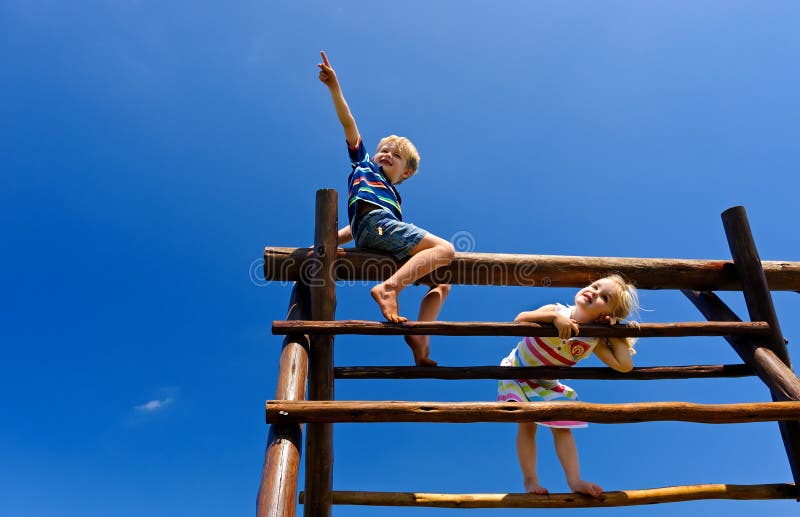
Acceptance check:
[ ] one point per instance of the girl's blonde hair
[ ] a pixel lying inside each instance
(625, 303)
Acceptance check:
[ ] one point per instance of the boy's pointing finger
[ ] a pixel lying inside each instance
(324, 58)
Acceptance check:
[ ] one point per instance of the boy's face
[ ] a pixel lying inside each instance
(393, 164)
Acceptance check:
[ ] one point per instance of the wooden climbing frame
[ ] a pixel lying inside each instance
(307, 356)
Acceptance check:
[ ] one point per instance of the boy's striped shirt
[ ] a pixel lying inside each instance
(367, 183)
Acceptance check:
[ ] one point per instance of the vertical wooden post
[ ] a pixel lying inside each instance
(319, 437)
(278, 489)
(751, 275)
(760, 307)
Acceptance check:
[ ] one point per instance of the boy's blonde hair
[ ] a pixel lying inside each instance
(406, 149)
(626, 302)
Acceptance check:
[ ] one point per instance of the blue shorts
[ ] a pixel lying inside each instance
(378, 230)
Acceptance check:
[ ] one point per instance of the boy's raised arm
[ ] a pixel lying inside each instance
(328, 78)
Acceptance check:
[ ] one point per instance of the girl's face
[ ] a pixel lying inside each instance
(597, 300)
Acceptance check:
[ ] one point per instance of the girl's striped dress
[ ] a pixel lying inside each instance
(545, 351)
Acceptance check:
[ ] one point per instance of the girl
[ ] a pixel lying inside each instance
(607, 300)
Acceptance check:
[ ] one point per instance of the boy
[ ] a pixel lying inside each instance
(376, 221)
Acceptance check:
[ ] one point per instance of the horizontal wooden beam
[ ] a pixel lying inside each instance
(671, 494)
(469, 412)
(293, 264)
(482, 328)
(540, 372)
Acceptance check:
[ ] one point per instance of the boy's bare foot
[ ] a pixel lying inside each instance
(533, 487)
(420, 350)
(387, 301)
(586, 487)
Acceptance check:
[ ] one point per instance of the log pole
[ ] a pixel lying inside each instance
(754, 282)
(541, 372)
(352, 264)
(671, 494)
(319, 436)
(480, 328)
(276, 493)
(470, 412)
(760, 308)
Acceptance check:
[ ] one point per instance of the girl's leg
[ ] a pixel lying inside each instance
(428, 311)
(431, 252)
(568, 456)
(526, 452)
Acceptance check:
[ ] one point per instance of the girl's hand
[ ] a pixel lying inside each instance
(565, 326)
(606, 320)
(326, 73)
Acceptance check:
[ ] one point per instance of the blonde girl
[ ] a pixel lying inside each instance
(607, 300)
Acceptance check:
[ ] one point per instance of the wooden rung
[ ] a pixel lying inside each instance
(540, 372)
(293, 264)
(329, 411)
(670, 494)
(481, 328)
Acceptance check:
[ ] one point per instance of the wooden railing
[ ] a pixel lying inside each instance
(353, 264)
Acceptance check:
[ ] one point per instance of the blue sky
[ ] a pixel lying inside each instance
(149, 151)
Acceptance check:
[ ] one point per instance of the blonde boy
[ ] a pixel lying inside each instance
(376, 220)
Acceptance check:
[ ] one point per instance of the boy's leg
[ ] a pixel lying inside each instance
(526, 453)
(430, 253)
(429, 309)
(568, 456)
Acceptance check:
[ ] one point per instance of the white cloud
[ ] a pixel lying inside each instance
(154, 405)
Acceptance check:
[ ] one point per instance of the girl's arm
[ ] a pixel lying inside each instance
(616, 356)
(549, 314)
